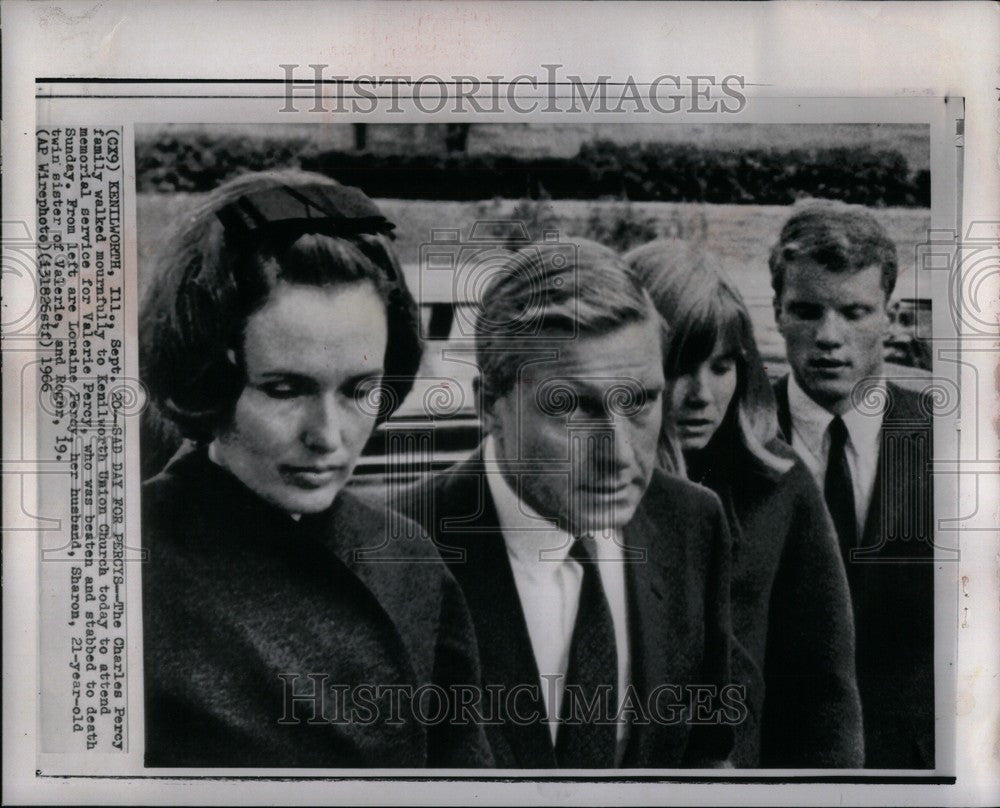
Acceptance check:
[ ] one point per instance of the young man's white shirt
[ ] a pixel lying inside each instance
(811, 440)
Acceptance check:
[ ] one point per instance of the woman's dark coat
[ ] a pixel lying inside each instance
(792, 616)
(245, 608)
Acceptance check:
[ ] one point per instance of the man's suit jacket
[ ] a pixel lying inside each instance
(891, 576)
(678, 604)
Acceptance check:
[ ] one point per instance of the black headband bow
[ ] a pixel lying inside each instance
(284, 212)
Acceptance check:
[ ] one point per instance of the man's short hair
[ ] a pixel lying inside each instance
(837, 237)
(545, 294)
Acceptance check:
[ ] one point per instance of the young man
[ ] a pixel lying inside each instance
(868, 442)
(599, 587)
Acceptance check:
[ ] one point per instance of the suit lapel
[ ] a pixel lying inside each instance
(908, 492)
(650, 638)
(507, 658)
(871, 536)
(348, 534)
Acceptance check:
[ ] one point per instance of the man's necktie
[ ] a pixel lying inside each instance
(839, 487)
(587, 733)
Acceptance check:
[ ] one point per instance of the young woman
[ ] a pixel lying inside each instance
(276, 331)
(790, 602)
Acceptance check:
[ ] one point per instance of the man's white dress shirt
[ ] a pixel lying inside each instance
(811, 440)
(548, 584)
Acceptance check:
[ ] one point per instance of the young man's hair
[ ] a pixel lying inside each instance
(837, 237)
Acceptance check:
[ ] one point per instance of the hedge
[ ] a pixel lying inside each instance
(639, 172)
(194, 163)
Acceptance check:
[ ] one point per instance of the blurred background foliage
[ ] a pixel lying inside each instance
(725, 187)
(650, 171)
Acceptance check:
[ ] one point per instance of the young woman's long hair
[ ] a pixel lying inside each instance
(704, 310)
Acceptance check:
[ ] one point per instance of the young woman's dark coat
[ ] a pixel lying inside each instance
(791, 612)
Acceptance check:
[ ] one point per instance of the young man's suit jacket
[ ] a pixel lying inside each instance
(678, 609)
(891, 576)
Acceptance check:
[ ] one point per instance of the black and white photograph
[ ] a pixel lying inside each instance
(536, 446)
(519, 403)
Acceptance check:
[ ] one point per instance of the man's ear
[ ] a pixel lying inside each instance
(776, 305)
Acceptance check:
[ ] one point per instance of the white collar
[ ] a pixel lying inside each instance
(529, 536)
(811, 421)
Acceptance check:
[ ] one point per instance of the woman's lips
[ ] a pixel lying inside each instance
(608, 488)
(607, 491)
(694, 423)
(311, 476)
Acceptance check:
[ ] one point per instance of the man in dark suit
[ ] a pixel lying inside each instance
(868, 442)
(598, 586)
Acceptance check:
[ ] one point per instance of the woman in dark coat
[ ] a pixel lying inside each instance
(281, 627)
(792, 622)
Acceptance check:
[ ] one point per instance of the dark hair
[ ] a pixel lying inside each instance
(543, 291)
(705, 310)
(837, 237)
(224, 260)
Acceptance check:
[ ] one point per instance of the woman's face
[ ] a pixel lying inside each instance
(312, 355)
(702, 397)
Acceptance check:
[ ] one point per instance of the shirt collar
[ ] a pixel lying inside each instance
(865, 428)
(811, 421)
(529, 537)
